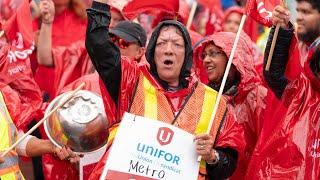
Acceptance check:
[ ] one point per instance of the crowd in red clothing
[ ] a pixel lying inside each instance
(276, 111)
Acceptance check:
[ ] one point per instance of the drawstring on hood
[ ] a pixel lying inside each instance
(187, 64)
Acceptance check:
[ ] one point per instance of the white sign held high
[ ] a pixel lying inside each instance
(150, 149)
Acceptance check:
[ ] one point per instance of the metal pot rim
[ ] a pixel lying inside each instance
(49, 108)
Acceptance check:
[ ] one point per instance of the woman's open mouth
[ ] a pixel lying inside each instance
(168, 62)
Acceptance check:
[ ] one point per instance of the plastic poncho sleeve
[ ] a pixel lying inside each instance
(275, 77)
(118, 76)
(104, 54)
(16, 74)
(229, 144)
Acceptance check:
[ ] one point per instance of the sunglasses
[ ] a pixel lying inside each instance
(120, 42)
(211, 54)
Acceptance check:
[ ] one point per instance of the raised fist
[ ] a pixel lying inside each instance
(47, 11)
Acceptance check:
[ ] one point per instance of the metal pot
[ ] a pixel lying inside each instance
(80, 124)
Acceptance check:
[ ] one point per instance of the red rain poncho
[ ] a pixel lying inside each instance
(230, 126)
(17, 74)
(15, 69)
(91, 84)
(70, 62)
(292, 149)
(68, 51)
(251, 99)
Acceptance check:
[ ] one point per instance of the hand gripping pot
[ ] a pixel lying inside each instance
(80, 124)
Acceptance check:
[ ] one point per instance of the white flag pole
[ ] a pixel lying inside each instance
(224, 79)
(274, 40)
(191, 15)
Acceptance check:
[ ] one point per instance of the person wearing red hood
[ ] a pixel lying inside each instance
(61, 54)
(125, 35)
(292, 149)
(231, 23)
(168, 80)
(232, 18)
(20, 97)
(244, 88)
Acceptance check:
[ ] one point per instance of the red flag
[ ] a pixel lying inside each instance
(182, 16)
(213, 5)
(215, 15)
(135, 7)
(18, 28)
(261, 10)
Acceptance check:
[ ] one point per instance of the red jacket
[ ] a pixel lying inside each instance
(120, 77)
(68, 51)
(250, 99)
(229, 136)
(15, 74)
(71, 61)
(53, 165)
(291, 150)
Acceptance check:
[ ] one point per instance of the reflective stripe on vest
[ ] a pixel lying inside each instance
(14, 175)
(9, 170)
(150, 100)
(151, 104)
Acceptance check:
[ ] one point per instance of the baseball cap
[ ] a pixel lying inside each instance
(130, 32)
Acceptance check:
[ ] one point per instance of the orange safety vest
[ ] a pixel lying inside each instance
(194, 117)
(9, 170)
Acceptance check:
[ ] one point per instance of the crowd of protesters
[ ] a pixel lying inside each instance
(268, 121)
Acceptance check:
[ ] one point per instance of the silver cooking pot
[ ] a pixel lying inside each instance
(80, 124)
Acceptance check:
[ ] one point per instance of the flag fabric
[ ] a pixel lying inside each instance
(15, 68)
(14, 56)
(182, 16)
(215, 15)
(135, 7)
(261, 10)
(212, 5)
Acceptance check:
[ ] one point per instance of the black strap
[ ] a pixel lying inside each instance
(134, 94)
(185, 102)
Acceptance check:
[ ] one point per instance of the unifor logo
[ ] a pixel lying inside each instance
(164, 135)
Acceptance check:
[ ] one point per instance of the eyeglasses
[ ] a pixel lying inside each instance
(120, 42)
(211, 54)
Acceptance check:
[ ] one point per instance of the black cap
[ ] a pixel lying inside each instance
(130, 32)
